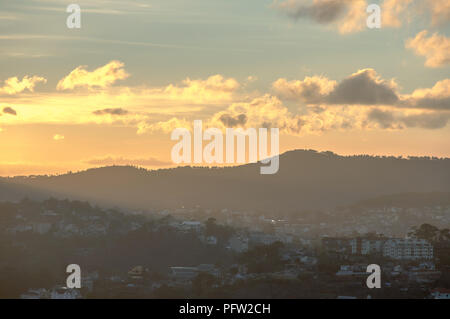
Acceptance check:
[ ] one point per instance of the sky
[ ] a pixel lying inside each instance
(112, 91)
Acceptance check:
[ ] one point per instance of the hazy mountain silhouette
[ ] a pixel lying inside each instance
(10, 191)
(306, 180)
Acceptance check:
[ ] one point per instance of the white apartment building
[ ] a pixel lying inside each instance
(408, 249)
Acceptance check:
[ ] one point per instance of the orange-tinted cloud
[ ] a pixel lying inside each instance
(364, 87)
(395, 119)
(214, 87)
(264, 111)
(111, 111)
(309, 90)
(58, 137)
(101, 77)
(435, 48)
(440, 11)
(392, 11)
(348, 16)
(14, 85)
(163, 126)
(437, 97)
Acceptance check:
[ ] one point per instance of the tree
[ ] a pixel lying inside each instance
(444, 235)
(210, 227)
(264, 258)
(221, 232)
(425, 231)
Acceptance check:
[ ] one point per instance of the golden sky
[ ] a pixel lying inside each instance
(112, 91)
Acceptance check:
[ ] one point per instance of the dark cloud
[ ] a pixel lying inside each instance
(111, 111)
(388, 119)
(109, 160)
(429, 121)
(384, 118)
(433, 103)
(317, 109)
(9, 110)
(323, 12)
(363, 88)
(231, 121)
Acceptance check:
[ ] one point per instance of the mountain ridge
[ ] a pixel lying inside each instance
(306, 180)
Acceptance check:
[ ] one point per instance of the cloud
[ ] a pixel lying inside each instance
(58, 137)
(265, 111)
(111, 160)
(230, 121)
(101, 77)
(347, 15)
(104, 7)
(9, 110)
(145, 105)
(321, 11)
(395, 120)
(8, 17)
(269, 111)
(223, 102)
(355, 19)
(365, 87)
(14, 85)
(437, 97)
(162, 126)
(383, 118)
(310, 90)
(111, 111)
(440, 11)
(361, 101)
(392, 10)
(214, 87)
(427, 121)
(436, 48)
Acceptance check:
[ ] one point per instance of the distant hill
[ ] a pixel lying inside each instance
(306, 180)
(11, 191)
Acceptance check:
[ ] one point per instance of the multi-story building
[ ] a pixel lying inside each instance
(395, 248)
(367, 246)
(408, 249)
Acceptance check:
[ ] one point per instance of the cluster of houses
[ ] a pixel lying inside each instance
(303, 241)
